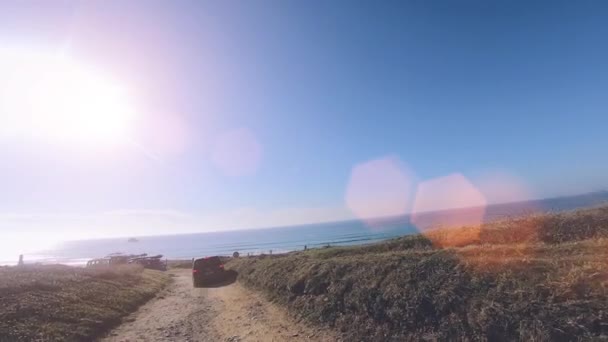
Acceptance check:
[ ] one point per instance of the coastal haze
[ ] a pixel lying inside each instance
(293, 238)
(134, 119)
(263, 170)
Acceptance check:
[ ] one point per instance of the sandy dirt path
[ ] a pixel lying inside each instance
(230, 313)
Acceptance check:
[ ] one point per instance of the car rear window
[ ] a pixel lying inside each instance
(206, 262)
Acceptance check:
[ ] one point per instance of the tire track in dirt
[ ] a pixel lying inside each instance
(230, 313)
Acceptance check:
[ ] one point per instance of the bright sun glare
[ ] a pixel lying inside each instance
(56, 98)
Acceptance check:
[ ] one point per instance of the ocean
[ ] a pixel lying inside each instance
(250, 241)
(293, 238)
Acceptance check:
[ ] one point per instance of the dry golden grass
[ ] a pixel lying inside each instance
(549, 228)
(61, 303)
(541, 277)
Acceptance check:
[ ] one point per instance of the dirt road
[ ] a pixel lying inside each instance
(229, 313)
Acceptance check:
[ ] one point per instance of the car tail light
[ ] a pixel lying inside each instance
(221, 266)
(194, 271)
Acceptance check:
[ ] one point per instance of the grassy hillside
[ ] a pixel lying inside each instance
(543, 277)
(61, 303)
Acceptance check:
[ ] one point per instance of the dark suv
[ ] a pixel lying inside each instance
(206, 271)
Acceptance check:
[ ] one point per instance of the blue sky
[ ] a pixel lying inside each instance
(473, 88)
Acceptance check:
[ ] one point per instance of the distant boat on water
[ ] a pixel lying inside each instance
(132, 240)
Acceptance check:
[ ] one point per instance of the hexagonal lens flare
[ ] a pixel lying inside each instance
(379, 189)
(449, 201)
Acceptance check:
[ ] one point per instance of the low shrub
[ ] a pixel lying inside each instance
(543, 277)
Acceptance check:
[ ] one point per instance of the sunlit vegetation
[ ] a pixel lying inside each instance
(61, 303)
(541, 277)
